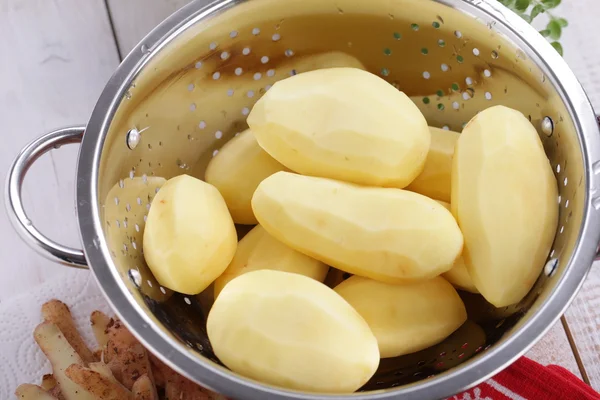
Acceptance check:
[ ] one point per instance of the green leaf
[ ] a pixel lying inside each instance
(549, 4)
(522, 5)
(537, 10)
(558, 47)
(545, 33)
(563, 22)
(555, 29)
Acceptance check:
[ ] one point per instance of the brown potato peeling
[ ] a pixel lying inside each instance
(100, 323)
(103, 369)
(61, 355)
(48, 382)
(32, 392)
(126, 370)
(101, 386)
(58, 313)
(125, 350)
(144, 389)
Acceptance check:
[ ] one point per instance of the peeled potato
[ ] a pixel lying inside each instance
(331, 59)
(289, 330)
(189, 238)
(504, 199)
(408, 317)
(237, 170)
(458, 276)
(390, 235)
(343, 123)
(435, 179)
(259, 250)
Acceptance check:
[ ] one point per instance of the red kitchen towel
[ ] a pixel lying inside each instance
(528, 380)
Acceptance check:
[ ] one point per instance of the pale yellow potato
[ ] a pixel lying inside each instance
(342, 123)
(405, 318)
(458, 276)
(259, 250)
(391, 235)
(504, 197)
(190, 237)
(435, 179)
(237, 170)
(292, 331)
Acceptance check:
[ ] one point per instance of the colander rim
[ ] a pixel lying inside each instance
(219, 379)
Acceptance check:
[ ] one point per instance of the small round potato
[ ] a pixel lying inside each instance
(405, 318)
(237, 170)
(189, 238)
(259, 250)
(291, 331)
(345, 124)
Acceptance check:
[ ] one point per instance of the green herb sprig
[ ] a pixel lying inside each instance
(531, 9)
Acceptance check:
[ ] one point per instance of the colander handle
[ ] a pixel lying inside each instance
(14, 203)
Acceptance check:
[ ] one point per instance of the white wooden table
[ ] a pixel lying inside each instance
(55, 58)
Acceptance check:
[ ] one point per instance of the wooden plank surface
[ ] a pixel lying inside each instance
(554, 348)
(133, 19)
(583, 318)
(55, 57)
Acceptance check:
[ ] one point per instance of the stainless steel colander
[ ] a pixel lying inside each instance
(187, 88)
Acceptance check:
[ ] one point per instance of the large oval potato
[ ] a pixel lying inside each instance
(391, 235)
(408, 317)
(237, 170)
(259, 250)
(435, 179)
(189, 238)
(343, 123)
(289, 330)
(504, 197)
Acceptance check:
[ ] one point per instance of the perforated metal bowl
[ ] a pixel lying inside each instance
(187, 88)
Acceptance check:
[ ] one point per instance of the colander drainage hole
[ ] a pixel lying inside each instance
(134, 276)
(551, 266)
